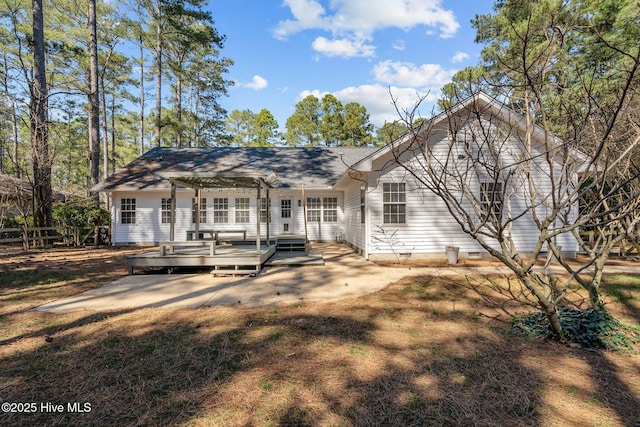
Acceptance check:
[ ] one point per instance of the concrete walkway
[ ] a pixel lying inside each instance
(344, 275)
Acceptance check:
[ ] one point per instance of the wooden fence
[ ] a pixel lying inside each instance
(624, 247)
(35, 237)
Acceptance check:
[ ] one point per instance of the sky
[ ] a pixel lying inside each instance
(367, 51)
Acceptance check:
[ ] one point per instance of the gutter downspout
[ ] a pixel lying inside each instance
(172, 226)
(367, 222)
(258, 218)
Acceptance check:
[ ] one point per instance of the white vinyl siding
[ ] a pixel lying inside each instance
(355, 213)
(148, 228)
(430, 227)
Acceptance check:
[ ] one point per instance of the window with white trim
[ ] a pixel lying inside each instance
(285, 208)
(265, 209)
(128, 211)
(491, 198)
(329, 209)
(165, 211)
(394, 203)
(314, 209)
(220, 210)
(203, 210)
(242, 210)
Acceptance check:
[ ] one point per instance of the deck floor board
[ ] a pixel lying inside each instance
(228, 256)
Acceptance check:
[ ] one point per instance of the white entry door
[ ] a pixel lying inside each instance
(286, 222)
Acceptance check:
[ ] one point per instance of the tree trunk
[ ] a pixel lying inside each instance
(594, 286)
(159, 76)
(14, 122)
(105, 130)
(94, 99)
(42, 197)
(536, 286)
(140, 41)
(113, 133)
(179, 110)
(195, 141)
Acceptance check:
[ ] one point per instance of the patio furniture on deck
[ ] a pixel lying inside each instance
(213, 234)
(194, 243)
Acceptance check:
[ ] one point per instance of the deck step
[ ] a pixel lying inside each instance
(291, 244)
(233, 270)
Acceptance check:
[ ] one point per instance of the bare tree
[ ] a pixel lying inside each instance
(509, 183)
(568, 69)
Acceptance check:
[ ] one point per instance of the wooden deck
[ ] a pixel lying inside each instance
(228, 259)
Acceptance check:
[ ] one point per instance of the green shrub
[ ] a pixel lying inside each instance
(589, 328)
(80, 213)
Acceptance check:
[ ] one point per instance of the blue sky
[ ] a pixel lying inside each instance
(358, 50)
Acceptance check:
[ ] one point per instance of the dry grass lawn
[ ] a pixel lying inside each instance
(424, 351)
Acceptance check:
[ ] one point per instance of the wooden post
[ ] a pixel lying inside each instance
(304, 215)
(258, 219)
(268, 216)
(197, 218)
(25, 238)
(172, 226)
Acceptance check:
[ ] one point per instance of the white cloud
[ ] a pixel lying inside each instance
(346, 48)
(360, 19)
(407, 74)
(379, 100)
(257, 83)
(459, 57)
(399, 45)
(404, 83)
(307, 14)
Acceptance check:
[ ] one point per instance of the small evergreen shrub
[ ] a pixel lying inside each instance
(589, 328)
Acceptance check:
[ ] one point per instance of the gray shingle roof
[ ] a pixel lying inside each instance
(317, 167)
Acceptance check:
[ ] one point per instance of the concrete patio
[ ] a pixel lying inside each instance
(344, 275)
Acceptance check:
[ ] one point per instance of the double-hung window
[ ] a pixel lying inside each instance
(242, 210)
(394, 203)
(329, 209)
(128, 211)
(322, 209)
(314, 209)
(165, 211)
(220, 210)
(491, 198)
(203, 210)
(265, 208)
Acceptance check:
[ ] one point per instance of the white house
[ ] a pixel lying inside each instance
(364, 196)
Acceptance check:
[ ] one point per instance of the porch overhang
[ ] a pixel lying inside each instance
(200, 180)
